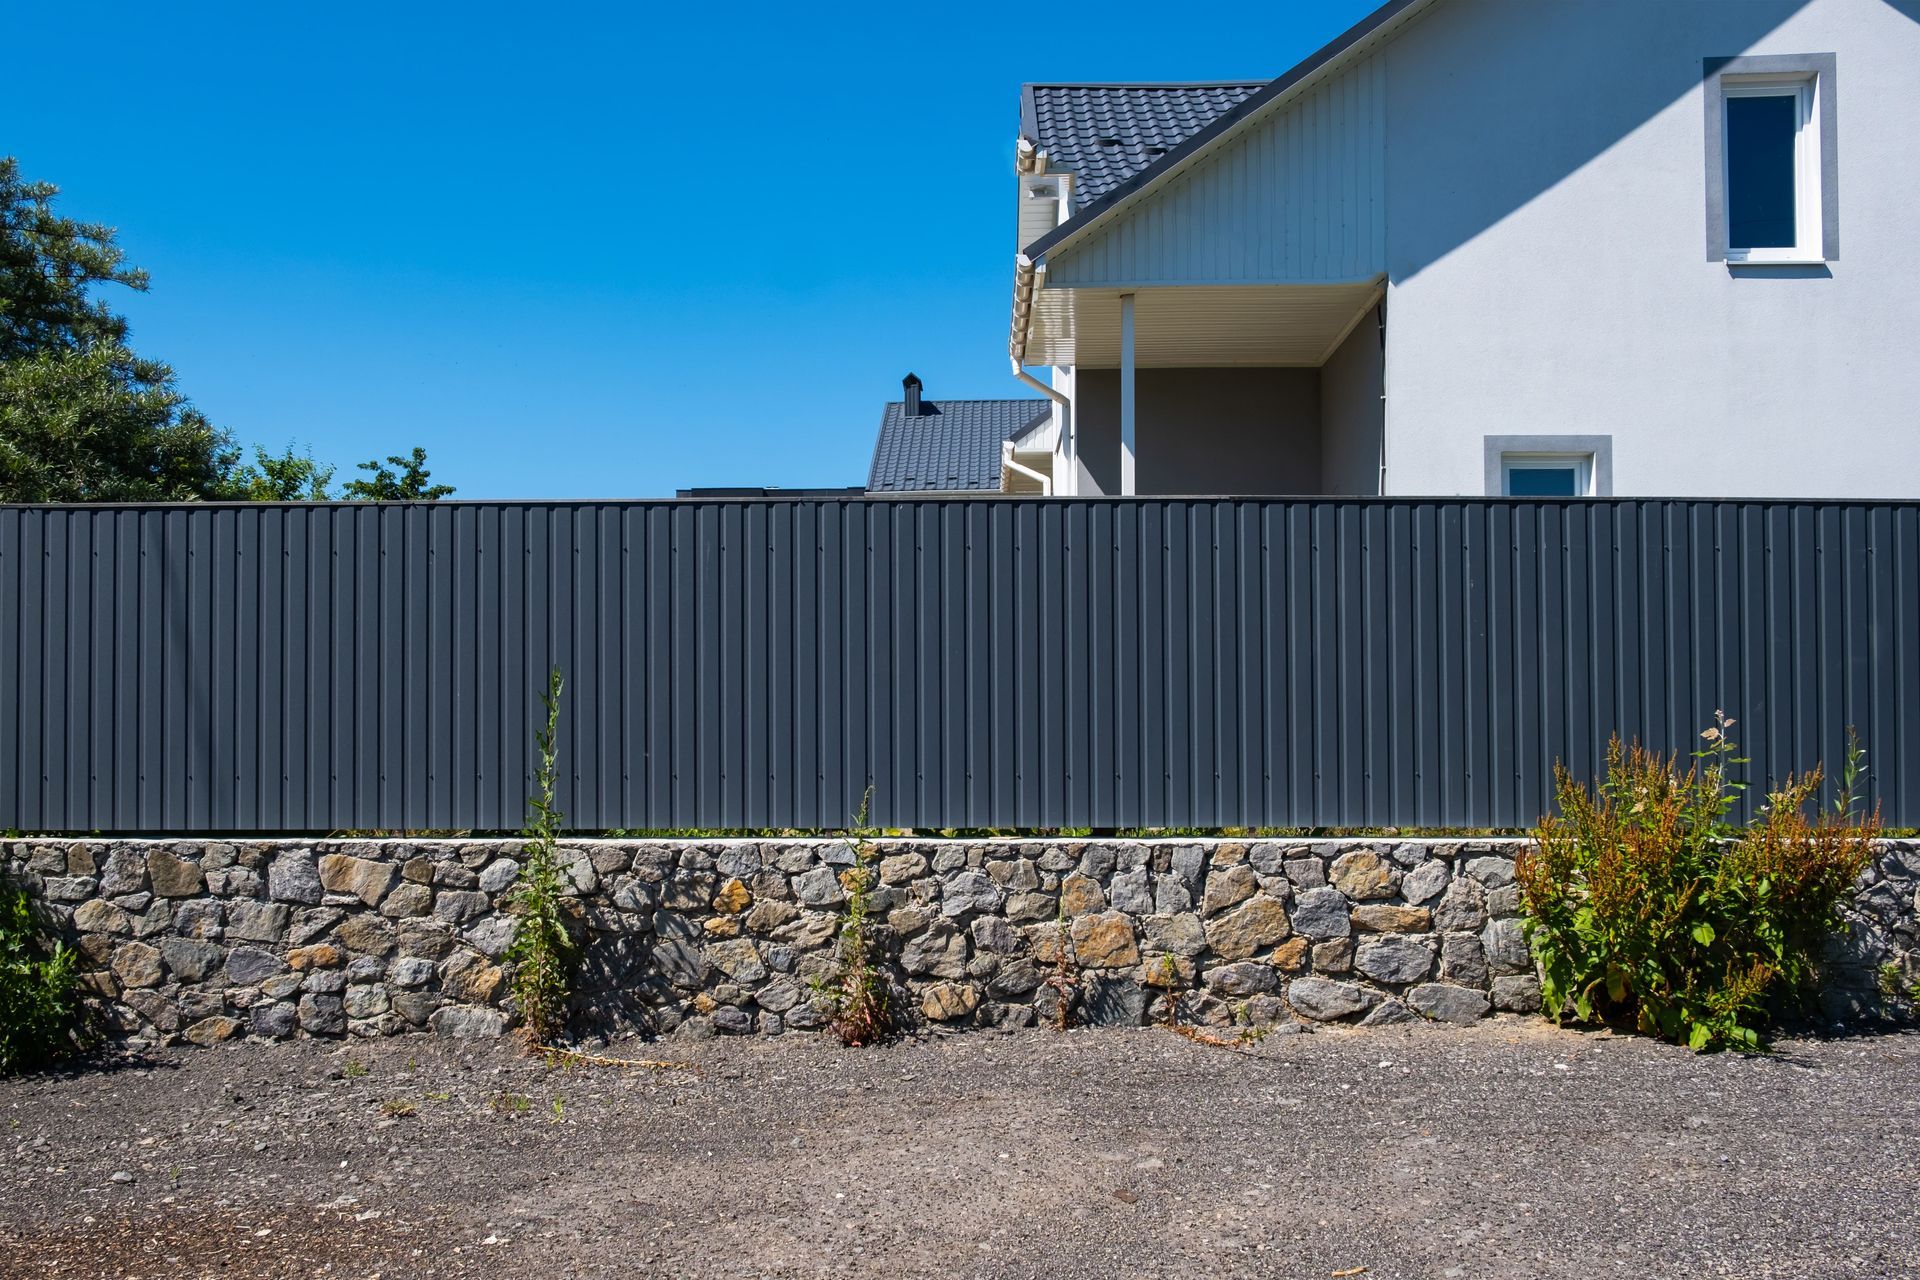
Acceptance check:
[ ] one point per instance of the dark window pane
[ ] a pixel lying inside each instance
(1542, 482)
(1760, 133)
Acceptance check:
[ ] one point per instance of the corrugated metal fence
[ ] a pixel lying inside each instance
(986, 663)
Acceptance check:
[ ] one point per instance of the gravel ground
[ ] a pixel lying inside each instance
(1507, 1149)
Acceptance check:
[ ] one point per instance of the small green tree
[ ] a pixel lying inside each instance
(292, 476)
(39, 989)
(544, 953)
(406, 484)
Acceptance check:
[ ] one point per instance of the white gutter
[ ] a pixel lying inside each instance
(1008, 463)
(1064, 413)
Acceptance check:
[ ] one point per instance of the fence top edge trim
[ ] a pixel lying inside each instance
(909, 499)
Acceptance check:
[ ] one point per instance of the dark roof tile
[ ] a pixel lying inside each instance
(1105, 134)
(951, 446)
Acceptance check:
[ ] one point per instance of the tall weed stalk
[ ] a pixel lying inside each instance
(544, 953)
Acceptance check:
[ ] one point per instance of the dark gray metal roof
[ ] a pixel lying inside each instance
(1118, 182)
(1105, 134)
(951, 446)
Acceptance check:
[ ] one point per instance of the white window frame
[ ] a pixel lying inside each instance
(1809, 235)
(1581, 463)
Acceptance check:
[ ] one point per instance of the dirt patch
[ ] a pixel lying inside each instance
(1504, 1149)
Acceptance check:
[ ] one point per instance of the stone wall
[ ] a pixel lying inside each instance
(206, 940)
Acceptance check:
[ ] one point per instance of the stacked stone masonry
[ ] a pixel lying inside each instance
(209, 940)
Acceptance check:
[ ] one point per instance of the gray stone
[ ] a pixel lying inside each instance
(249, 966)
(1333, 956)
(190, 961)
(67, 888)
(275, 1021)
(1306, 872)
(1504, 901)
(1491, 872)
(291, 877)
(819, 887)
(1462, 909)
(1244, 979)
(410, 971)
(1108, 1000)
(1426, 881)
(466, 1022)
(730, 1021)
(499, 875)
(1506, 945)
(1322, 913)
(1389, 1013)
(322, 1015)
(367, 1002)
(199, 919)
(778, 997)
(1016, 979)
(1393, 958)
(1462, 961)
(1132, 893)
(258, 921)
(681, 964)
(1444, 1002)
(939, 953)
(993, 933)
(324, 982)
(457, 906)
(492, 935)
(1324, 1000)
(124, 871)
(1521, 994)
(970, 891)
(366, 969)
(1171, 895)
(1181, 935)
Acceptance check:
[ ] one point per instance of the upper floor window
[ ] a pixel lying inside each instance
(1773, 171)
(1772, 190)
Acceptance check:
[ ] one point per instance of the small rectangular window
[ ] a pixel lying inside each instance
(1546, 475)
(1772, 178)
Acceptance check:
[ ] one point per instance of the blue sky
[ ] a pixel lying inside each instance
(577, 251)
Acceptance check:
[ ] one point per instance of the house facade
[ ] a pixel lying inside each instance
(1484, 247)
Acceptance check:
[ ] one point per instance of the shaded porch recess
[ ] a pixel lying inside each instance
(1243, 389)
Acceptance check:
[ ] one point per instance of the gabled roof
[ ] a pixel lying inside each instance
(950, 446)
(1105, 134)
(1120, 192)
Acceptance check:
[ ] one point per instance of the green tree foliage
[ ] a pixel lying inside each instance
(282, 477)
(407, 484)
(85, 419)
(82, 418)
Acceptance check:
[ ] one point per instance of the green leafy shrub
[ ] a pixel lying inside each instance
(39, 989)
(857, 995)
(1647, 907)
(543, 950)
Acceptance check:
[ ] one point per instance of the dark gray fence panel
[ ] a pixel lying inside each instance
(990, 663)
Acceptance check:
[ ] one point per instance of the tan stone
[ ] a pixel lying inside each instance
(1259, 922)
(721, 926)
(406, 900)
(469, 978)
(319, 956)
(136, 964)
(211, 1031)
(733, 898)
(368, 935)
(1226, 887)
(1081, 895)
(1290, 956)
(96, 915)
(768, 914)
(364, 878)
(704, 1003)
(1105, 941)
(1379, 917)
(418, 870)
(947, 1001)
(1361, 875)
(902, 868)
(173, 877)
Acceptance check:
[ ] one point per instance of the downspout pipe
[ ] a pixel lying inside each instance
(1059, 398)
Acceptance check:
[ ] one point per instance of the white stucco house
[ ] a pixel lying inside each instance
(1527, 247)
